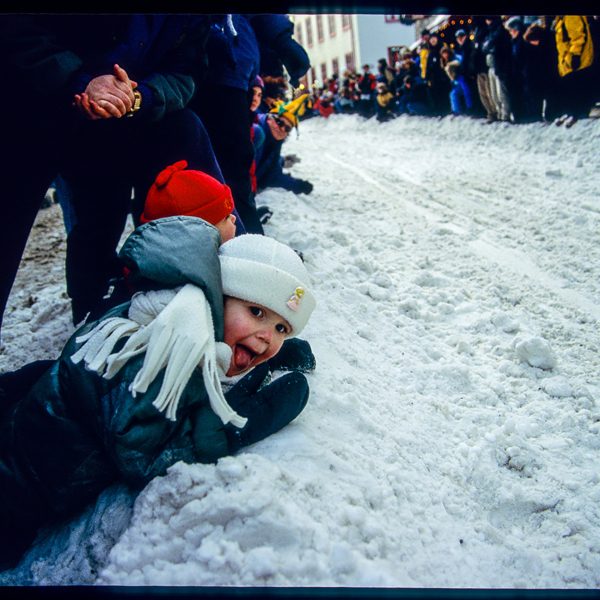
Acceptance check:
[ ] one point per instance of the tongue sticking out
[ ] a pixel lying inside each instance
(241, 358)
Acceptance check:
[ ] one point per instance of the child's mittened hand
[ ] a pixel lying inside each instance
(267, 410)
(248, 385)
(295, 355)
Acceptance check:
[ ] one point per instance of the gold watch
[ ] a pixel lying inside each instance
(137, 103)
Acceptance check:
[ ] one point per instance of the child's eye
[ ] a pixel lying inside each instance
(281, 328)
(256, 311)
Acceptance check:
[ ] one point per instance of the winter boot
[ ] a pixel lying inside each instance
(560, 120)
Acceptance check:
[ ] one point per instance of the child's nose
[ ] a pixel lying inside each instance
(266, 335)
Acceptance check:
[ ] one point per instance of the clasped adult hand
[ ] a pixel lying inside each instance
(107, 96)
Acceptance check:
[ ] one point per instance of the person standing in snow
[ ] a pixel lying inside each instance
(518, 83)
(173, 375)
(542, 72)
(234, 60)
(496, 48)
(481, 70)
(366, 86)
(575, 48)
(424, 48)
(103, 100)
(468, 66)
(437, 80)
(461, 101)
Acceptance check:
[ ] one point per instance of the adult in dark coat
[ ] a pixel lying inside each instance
(72, 112)
(234, 55)
(480, 68)
(366, 86)
(518, 83)
(468, 66)
(437, 80)
(542, 73)
(414, 97)
(497, 50)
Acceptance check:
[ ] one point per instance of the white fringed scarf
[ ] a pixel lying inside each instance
(174, 328)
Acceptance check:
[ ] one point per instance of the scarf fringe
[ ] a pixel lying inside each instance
(179, 339)
(101, 341)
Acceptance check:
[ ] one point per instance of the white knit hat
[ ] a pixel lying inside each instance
(257, 268)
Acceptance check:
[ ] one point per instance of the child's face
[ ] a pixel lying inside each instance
(254, 334)
(226, 228)
(279, 126)
(256, 98)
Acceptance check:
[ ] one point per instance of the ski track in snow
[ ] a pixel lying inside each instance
(452, 433)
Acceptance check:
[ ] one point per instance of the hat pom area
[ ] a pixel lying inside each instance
(257, 268)
(165, 175)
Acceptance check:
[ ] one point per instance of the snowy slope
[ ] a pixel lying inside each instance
(452, 434)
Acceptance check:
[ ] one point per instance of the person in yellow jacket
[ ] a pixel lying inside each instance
(385, 102)
(574, 43)
(575, 49)
(424, 52)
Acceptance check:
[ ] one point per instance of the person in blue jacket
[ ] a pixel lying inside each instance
(234, 60)
(179, 373)
(102, 100)
(274, 128)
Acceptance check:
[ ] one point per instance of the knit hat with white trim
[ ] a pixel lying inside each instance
(257, 268)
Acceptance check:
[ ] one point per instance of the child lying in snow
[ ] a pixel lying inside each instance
(140, 389)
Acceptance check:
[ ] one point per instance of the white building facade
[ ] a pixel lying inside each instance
(335, 42)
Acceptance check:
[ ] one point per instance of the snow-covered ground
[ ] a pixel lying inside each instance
(453, 430)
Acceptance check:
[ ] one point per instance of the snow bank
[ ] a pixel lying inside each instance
(452, 433)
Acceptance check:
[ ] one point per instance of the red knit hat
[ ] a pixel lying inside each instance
(189, 193)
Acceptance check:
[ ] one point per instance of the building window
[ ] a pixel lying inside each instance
(299, 34)
(345, 21)
(331, 19)
(335, 66)
(323, 72)
(320, 34)
(313, 75)
(350, 61)
(309, 38)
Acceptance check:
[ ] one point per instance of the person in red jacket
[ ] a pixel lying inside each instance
(324, 104)
(366, 86)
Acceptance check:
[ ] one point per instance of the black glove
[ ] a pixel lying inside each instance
(575, 61)
(268, 409)
(264, 214)
(295, 355)
(303, 186)
(294, 57)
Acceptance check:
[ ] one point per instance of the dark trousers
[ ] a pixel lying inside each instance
(101, 161)
(225, 111)
(577, 93)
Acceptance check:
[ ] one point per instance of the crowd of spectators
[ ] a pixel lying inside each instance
(518, 69)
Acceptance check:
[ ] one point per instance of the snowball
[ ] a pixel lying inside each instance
(536, 352)
(557, 387)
